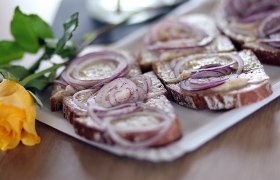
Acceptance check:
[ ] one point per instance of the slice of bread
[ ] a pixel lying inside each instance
(220, 43)
(72, 111)
(85, 127)
(60, 91)
(245, 36)
(229, 95)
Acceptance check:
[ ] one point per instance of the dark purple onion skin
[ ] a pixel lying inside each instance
(200, 37)
(188, 86)
(269, 30)
(246, 8)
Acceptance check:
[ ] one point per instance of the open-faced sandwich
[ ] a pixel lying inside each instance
(112, 102)
(215, 81)
(253, 24)
(92, 70)
(175, 37)
(130, 112)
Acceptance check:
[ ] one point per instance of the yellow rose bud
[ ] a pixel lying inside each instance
(17, 116)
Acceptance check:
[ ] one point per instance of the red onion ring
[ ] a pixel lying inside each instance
(107, 94)
(247, 8)
(71, 76)
(255, 17)
(144, 84)
(124, 90)
(80, 100)
(60, 82)
(269, 30)
(268, 24)
(211, 75)
(181, 44)
(120, 96)
(173, 34)
(202, 84)
(211, 72)
(160, 130)
(97, 113)
(236, 58)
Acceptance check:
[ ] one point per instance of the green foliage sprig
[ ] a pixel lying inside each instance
(31, 33)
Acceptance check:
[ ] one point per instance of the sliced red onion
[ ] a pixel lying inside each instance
(60, 82)
(159, 130)
(121, 96)
(270, 25)
(236, 59)
(124, 90)
(144, 84)
(173, 34)
(71, 74)
(247, 8)
(97, 113)
(240, 63)
(181, 44)
(274, 30)
(211, 75)
(206, 73)
(81, 98)
(269, 30)
(202, 84)
(270, 40)
(240, 6)
(255, 17)
(259, 6)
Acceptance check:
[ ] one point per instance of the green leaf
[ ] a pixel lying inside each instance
(41, 28)
(9, 51)
(8, 75)
(69, 27)
(39, 83)
(52, 75)
(28, 30)
(24, 34)
(68, 50)
(36, 99)
(19, 72)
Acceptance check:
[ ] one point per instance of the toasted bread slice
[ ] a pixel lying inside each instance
(245, 36)
(220, 43)
(72, 111)
(234, 93)
(60, 91)
(85, 127)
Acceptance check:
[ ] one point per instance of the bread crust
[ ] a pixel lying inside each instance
(266, 54)
(174, 133)
(220, 100)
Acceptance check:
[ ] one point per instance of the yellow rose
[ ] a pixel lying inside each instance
(17, 116)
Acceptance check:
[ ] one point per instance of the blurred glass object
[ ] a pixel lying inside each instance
(114, 11)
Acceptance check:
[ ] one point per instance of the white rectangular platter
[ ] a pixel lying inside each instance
(198, 126)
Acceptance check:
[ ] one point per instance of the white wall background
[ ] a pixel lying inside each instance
(44, 8)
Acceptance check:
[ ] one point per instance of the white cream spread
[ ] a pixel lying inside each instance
(97, 70)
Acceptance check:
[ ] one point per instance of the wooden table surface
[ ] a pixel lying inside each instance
(249, 150)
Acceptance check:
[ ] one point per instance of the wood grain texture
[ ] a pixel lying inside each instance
(249, 150)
